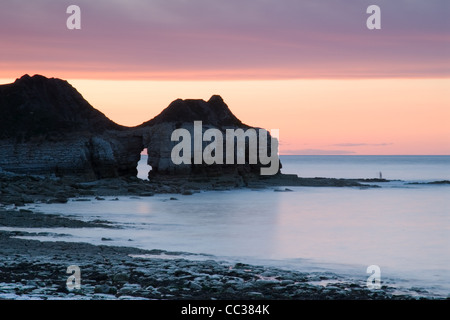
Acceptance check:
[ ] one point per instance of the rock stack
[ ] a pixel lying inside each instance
(48, 128)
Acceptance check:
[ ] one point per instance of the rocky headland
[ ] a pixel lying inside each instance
(48, 128)
(55, 147)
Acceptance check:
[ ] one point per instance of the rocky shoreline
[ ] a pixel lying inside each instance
(21, 189)
(30, 269)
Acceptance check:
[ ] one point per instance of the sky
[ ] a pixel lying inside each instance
(311, 69)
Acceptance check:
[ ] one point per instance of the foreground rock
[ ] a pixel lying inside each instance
(28, 219)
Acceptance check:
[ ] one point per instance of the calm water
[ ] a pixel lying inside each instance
(417, 168)
(404, 229)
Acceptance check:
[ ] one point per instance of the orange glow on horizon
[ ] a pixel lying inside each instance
(91, 72)
(360, 117)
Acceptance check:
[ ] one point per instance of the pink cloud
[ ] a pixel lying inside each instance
(216, 39)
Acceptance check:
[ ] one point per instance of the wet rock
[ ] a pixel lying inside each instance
(121, 278)
(283, 190)
(146, 194)
(57, 200)
(104, 288)
(262, 282)
(129, 289)
(195, 285)
(255, 295)
(287, 282)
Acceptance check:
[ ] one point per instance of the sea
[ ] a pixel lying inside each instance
(402, 227)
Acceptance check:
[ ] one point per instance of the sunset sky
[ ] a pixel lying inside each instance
(311, 69)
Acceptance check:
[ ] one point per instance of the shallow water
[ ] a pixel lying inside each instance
(404, 229)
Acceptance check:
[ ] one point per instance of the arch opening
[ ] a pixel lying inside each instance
(143, 168)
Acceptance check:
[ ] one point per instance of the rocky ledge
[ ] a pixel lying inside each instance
(20, 189)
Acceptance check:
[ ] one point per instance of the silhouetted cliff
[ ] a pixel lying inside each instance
(34, 106)
(47, 127)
